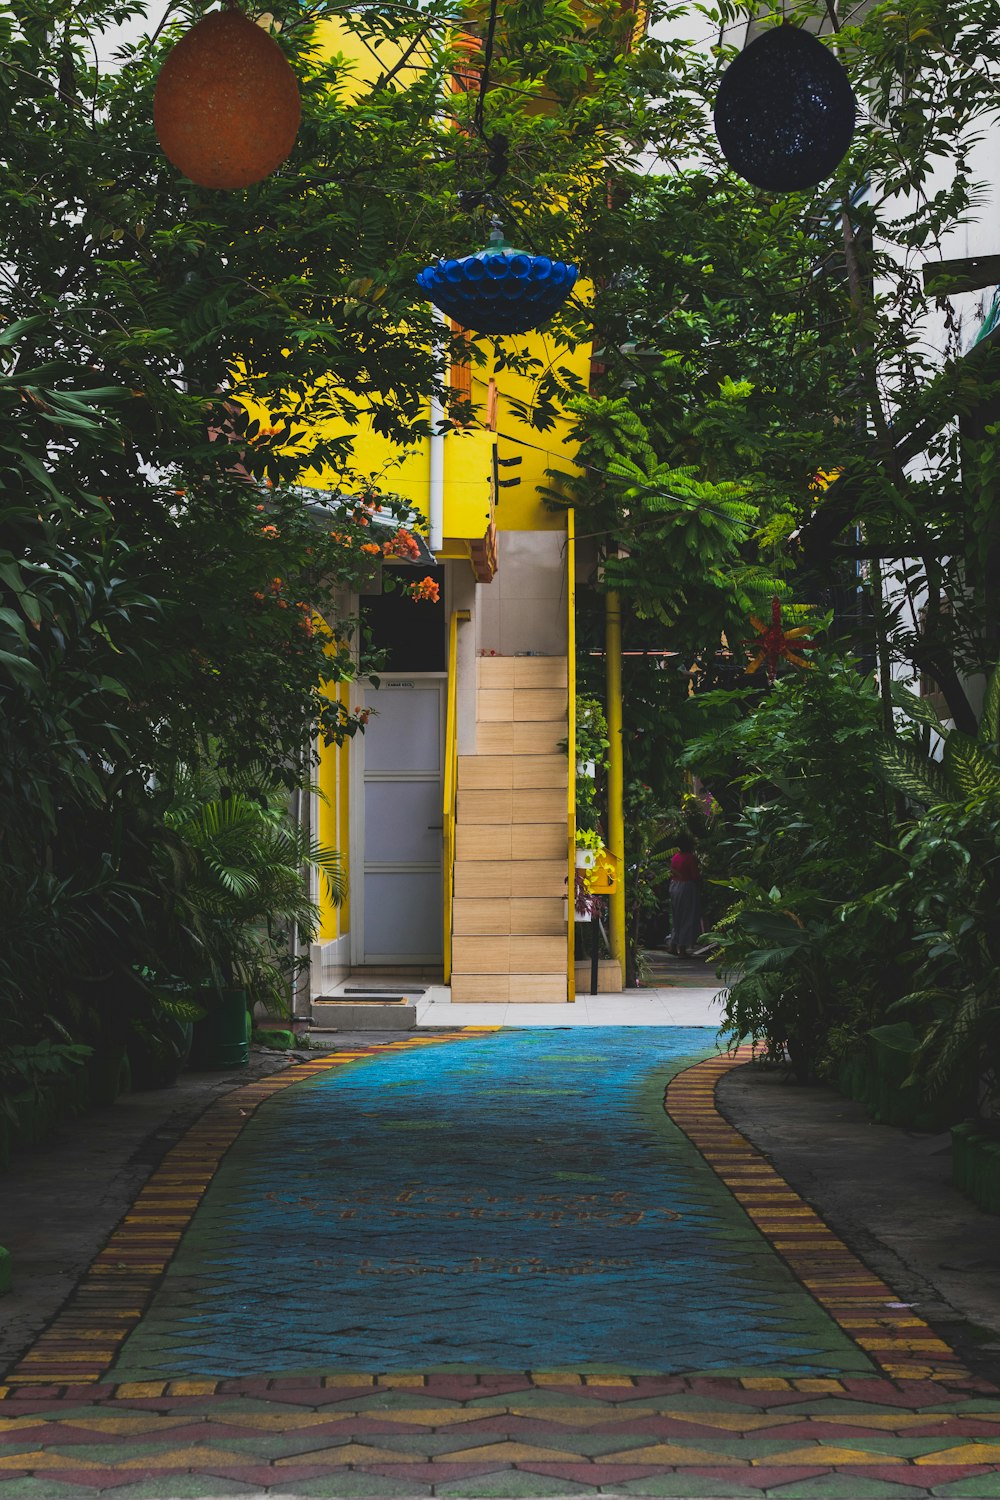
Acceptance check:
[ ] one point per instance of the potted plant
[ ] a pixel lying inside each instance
(589, 845)
(244, 899)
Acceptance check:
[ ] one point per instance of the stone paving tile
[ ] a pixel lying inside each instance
(510, 1484)
(684, 1487)
(844, 1431)
(430, 1474)
(33, 1488)
(985, 1487)
(352, 1485)
(257, 1476)
(836, 1487)
(184, 1487)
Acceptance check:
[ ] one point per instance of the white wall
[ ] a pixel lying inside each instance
(525, 607)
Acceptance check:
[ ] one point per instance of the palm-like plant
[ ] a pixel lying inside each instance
(969, 768)
(241, 892)
(953, 881)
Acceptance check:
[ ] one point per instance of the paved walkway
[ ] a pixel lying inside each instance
(487, 1264)
(693, 1005)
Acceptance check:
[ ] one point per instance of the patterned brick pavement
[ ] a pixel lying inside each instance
(898, 1416)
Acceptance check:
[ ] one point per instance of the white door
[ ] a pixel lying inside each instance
(400, 828)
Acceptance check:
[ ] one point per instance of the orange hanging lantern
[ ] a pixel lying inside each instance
(227, 107)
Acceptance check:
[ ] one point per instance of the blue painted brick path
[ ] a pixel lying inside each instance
(440, 1270)
(519, 1201)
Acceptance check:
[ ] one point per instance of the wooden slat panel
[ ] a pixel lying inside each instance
(532, 703)
(485, 917)
(485, 841)
(495, 671)
(540, 805)
(477, 955)
(480, 989)
(478, 771)
(496, 706)
(535, 840)
(538, 877)
(541, 671)
(495, 805)
(535, 770)
(522, 738)
(537, 989)
(536, 916)
(488, 878)
(535, 955)
(609, 977)
(496, 879)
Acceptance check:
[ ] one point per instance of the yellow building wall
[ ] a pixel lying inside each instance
(468, 455)
(468, 462)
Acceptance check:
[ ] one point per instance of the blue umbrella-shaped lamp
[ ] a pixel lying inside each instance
(499, 289)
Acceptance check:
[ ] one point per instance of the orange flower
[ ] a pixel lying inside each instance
(269, 531)
(372, 548)
(427, 589)
(402, 544)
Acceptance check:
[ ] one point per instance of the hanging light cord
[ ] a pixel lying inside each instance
(484, 81)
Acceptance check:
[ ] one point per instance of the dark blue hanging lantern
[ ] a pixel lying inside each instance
(785, 111)
(499, 289)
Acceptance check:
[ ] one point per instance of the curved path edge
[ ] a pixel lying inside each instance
(900, 1344)
(79, 1346)
(81, 1343)
(918, 1426)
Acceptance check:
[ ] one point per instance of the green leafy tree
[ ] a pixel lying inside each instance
(806, 825)
(174, 361)
(765, 376)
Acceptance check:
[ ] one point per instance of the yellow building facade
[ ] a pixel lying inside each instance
(454, 811)
(455, 808)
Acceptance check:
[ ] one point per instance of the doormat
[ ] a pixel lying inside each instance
(374, 990)
(362, 997)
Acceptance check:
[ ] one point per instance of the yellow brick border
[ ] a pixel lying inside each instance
(899, 1345)
(82, 1342)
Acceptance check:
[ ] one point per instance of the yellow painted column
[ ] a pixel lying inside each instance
(344, 813)
(571, 753)
(451, 784)
(327, 826)
(616, 775)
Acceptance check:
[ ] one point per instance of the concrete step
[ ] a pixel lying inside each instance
(509, 989)
(523, 672)
(358, 1014)
(521, 705)
(495, 879)
(527, 737)
(545, 804)
(510, 841)
(517, 772)
(510, 917)
(499, 954)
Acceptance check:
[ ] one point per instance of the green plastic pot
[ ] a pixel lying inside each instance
(222, 1036)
